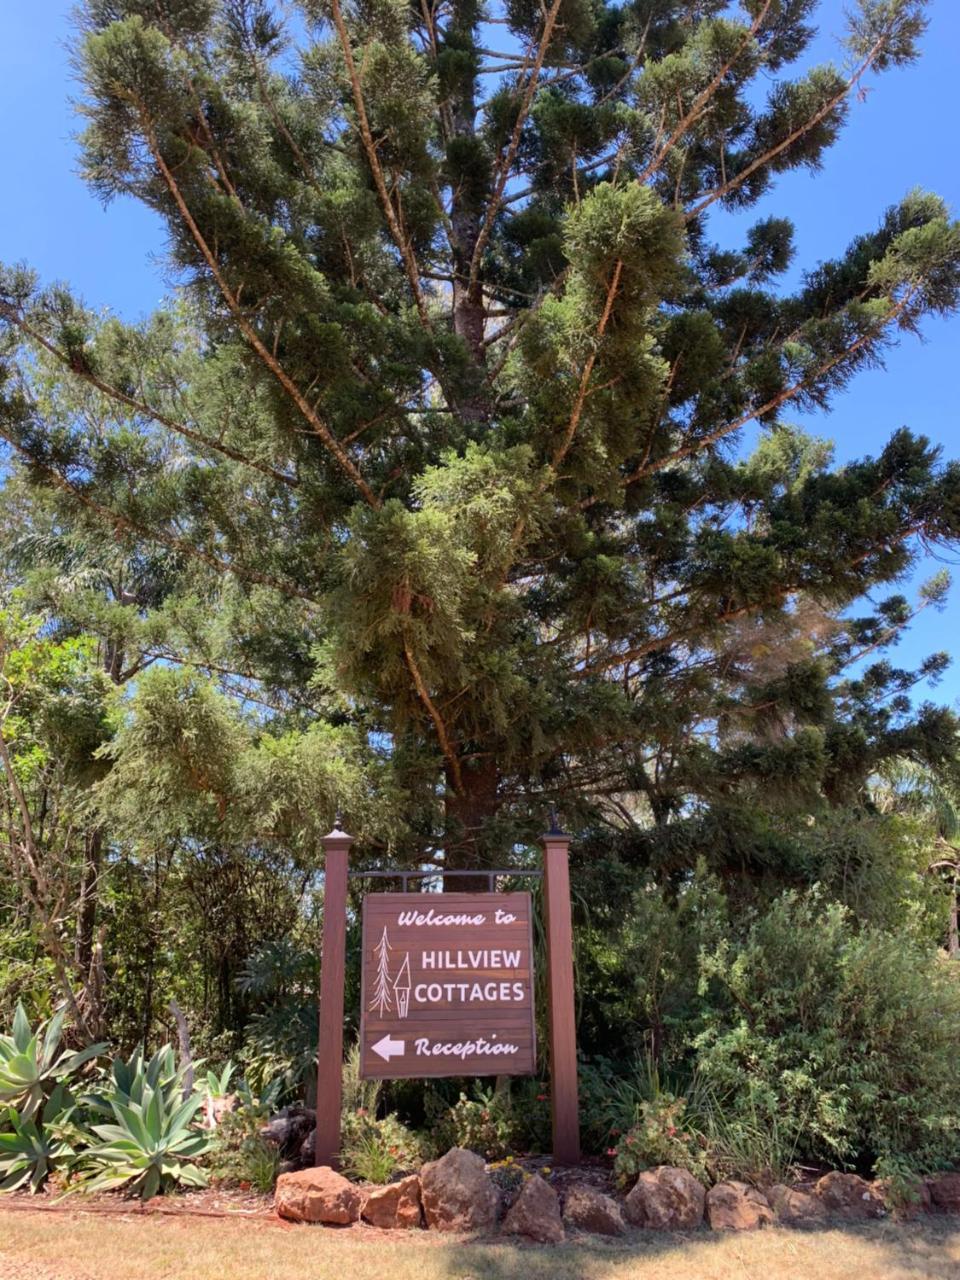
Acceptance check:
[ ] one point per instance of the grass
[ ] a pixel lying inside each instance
(74, 1246)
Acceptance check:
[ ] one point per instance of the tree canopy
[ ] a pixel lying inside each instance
(426, 497)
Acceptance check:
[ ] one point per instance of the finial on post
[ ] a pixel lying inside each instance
(556, 832)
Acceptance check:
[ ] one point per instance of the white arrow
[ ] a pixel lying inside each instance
(388, 1048)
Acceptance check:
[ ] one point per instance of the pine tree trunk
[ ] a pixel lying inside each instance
(468, 842)
(953, 931)
(465, 223)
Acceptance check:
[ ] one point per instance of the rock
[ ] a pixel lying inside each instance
(795, 1207)
(666, 1199)
(588, 1209)
(394, 1206)
(317, 1195)
(536, 1213)
(944, 1191)
(849, 1196)
(307, 1149)
(735, 1206)
(458, 1194)
(287, 1131)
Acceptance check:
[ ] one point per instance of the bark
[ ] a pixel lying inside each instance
(469, 317)
(186, 1055)
(468, 813)
(87, 907)
(953, 930)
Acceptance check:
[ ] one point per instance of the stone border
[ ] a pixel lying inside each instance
(457, 1194)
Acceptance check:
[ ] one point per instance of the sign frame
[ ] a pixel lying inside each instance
(458, 1025)
(561, 1010)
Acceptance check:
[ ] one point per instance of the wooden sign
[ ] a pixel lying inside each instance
(447, 985)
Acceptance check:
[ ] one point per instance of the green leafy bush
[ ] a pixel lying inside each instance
(846, 1039)
(129, 1079)
(237, 1152)
(661, 1136)
(486, 1124)
(612, 1096)
(374, 1149)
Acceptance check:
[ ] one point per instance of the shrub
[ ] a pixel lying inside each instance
(373, 1150)
(662, 1136)
(611, 1098)
(237, 1152)
(486, 1124)
(847, 1040)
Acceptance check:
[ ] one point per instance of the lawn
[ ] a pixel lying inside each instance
(78, 1246)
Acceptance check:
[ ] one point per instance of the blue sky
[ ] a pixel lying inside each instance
(903, 133)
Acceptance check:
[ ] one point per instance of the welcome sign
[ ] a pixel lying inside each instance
(447, 985)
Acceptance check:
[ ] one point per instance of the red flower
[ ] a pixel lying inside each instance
(541, 1097)
(611, 1151)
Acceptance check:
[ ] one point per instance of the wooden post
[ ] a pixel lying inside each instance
(336, 848)
(563, 1032)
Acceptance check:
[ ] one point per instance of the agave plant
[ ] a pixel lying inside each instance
(130, 1078)
(29, 1151)
(151, 1146)
(30, 1067)
(217, 1085)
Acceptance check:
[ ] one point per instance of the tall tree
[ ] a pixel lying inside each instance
(447, 416)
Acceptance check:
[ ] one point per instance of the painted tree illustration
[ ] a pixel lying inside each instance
(381, 1002)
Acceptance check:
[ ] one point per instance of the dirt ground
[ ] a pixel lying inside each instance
(132, 1245)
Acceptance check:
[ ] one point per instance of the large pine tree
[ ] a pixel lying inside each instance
(443, 429)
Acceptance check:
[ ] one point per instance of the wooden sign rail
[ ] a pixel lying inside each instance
(450, 985)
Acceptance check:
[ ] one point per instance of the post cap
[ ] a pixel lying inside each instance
(556, 834)
(337, 833)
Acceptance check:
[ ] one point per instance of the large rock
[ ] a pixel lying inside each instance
(666, 1199)
(944, 1191)
(588, 1209)
(536, 1213)
(317, 1195)
(394, 1206)
(735, 1206)
(288, 1130)
(457, 1193)
(847, 1195)
(795, 1207)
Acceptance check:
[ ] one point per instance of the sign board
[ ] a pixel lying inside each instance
(447, 985)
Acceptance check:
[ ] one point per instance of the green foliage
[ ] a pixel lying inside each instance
(151, 1146)
(31, 1148)
(485, 1123)
(845, 1039)
(373, 1148)
(31, 1066)
(129, 1081)
(428, 501)
(238, 1153)
(660, 1136)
